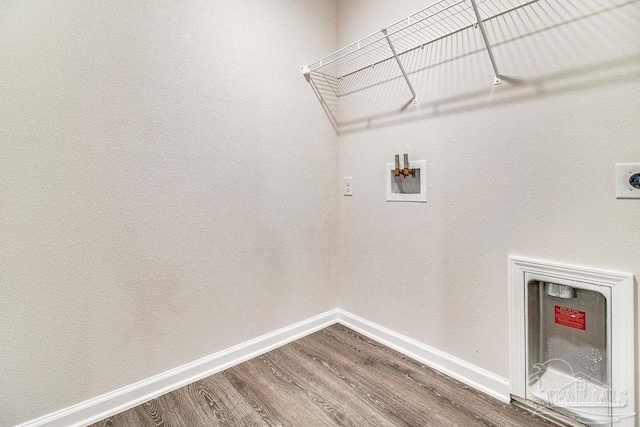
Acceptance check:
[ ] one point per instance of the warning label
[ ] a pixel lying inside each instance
(571, 318)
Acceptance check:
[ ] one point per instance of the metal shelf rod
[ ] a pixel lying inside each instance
(409, 50)
(420, 44)
(324, 64)
(498, 78)
(373, 34)
(404, 73)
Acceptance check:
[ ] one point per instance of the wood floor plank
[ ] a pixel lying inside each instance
(325, 411)
(256, 395)
(429, 402)
(487, 410)
(350, 408)
(334, 377)
(275, 391)
(219, 404)
(380, 399)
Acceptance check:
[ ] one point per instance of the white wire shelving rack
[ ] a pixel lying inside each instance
(435, 22)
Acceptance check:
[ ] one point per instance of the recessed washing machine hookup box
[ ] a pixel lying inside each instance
(412, 188)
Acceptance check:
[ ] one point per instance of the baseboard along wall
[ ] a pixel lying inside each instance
(469, 374)
(127, 397)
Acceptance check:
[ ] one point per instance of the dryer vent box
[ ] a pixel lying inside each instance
(572, 342)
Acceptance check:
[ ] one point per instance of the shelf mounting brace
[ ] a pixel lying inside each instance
(404, 73)
(498, 78)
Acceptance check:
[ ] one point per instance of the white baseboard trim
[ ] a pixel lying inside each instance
(127, 397)
(471, 375)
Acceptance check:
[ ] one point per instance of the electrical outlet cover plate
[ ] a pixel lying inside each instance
(348, 186)
(624, 180)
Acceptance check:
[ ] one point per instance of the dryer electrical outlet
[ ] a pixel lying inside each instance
(628, 180)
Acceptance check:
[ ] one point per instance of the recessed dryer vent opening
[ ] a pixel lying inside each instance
(568, 362)
(572, 343)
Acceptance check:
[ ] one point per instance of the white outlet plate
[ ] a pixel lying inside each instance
(348, 186)
(624, 171)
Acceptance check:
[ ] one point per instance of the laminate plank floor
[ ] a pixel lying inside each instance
(334, 377)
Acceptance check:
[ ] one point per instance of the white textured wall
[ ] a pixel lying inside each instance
(524, 168)
(132, 240)
(148, 215)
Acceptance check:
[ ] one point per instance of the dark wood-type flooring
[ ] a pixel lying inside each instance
(334, 377)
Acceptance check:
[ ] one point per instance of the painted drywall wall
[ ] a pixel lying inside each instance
(524, 168)
(132, 242)
(167, 187)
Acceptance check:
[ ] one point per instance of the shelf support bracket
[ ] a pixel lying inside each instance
(404, 73)
(306, 72)
(498, 78)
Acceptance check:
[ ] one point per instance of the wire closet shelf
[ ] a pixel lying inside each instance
(435, 22)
